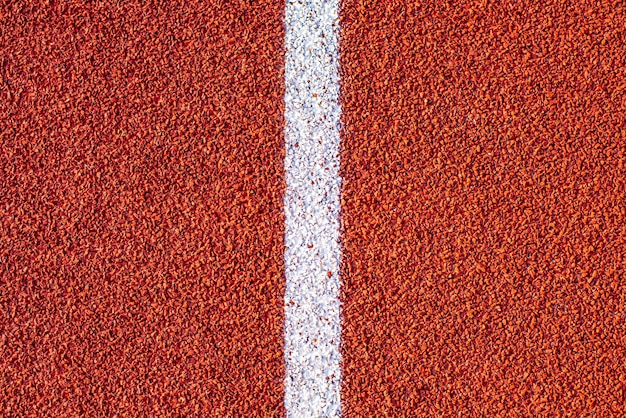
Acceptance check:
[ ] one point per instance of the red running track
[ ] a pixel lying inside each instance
(141, 164)
(484, 208)
(141, 225)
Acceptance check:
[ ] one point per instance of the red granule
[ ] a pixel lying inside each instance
(141, 226)
(484, 208)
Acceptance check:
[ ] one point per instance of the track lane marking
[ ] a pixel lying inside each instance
(312, 250)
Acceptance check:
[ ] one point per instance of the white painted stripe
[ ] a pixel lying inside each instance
(312, 251)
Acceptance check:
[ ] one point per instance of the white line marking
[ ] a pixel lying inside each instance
(312, 250)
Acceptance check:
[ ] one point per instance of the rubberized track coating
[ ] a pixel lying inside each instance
(141, 214)
(484, 216)
(484, 153)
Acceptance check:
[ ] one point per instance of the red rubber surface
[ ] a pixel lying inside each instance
(484, 208)
(484, 165)
(141, 179)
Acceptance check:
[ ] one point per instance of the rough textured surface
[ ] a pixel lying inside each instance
(312, 314)
(484, 211)
(141, 213)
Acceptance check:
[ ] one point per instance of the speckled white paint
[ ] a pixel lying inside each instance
(312, 250)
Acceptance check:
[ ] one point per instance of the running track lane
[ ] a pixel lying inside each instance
(141, 213)
(484, 214)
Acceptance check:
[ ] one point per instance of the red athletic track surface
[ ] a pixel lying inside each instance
(141, 227)
(484, 214)
(484, 208)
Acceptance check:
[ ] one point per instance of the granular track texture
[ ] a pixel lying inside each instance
(484, 211)
(141, 216)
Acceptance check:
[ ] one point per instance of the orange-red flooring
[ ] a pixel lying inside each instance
(483, 208)
(141, 172)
